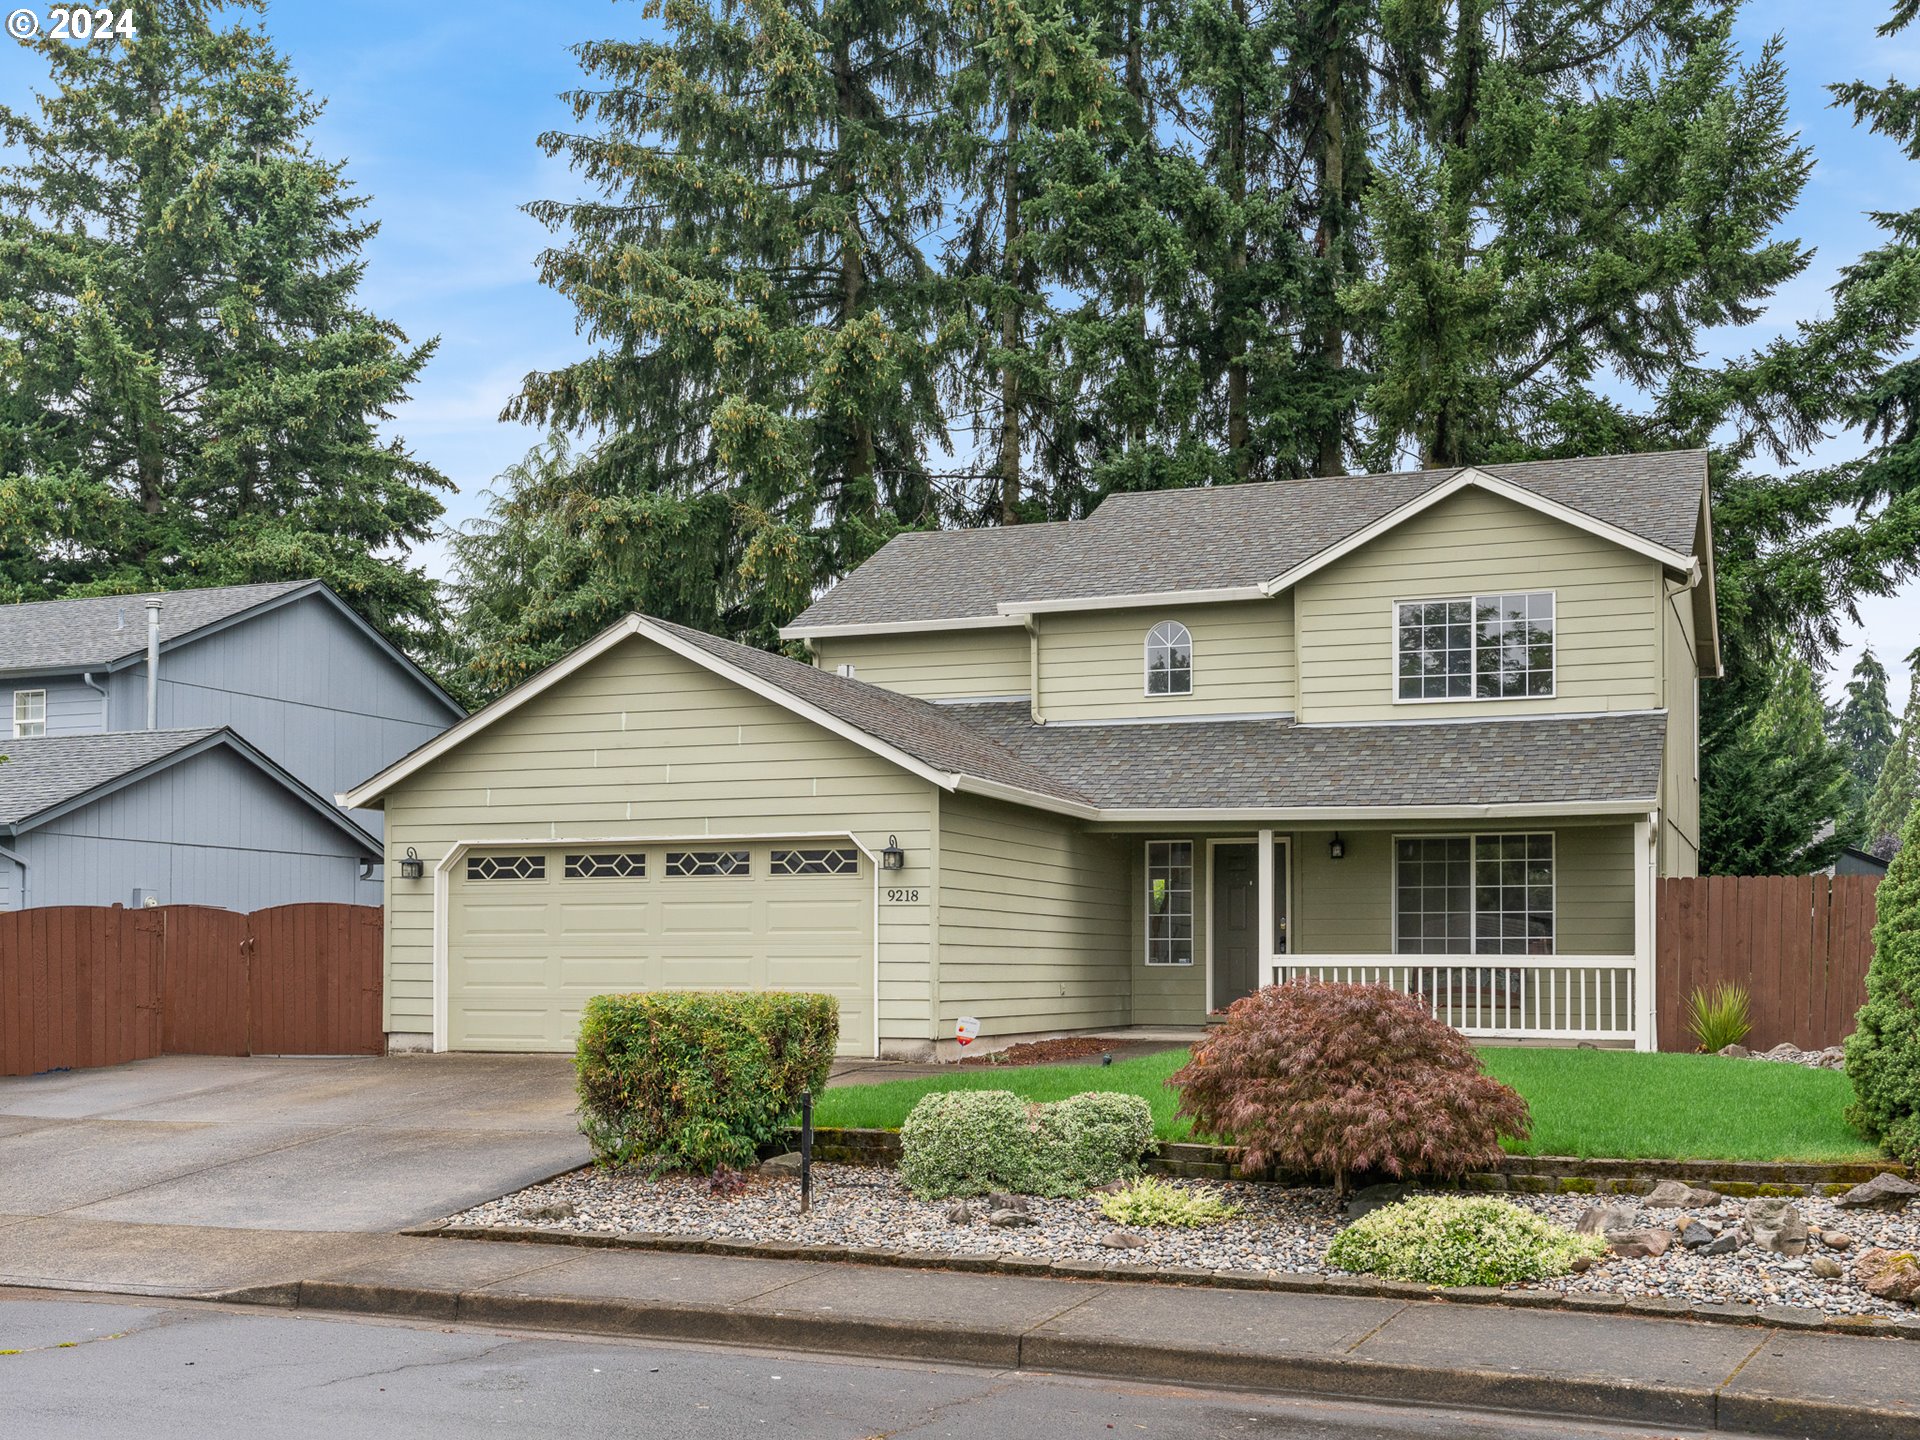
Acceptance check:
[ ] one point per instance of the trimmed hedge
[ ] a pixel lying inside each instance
(968, 1142)
(698, 1079)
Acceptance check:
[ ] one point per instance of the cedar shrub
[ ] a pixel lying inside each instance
(1883, 1053)
(1344, 1080)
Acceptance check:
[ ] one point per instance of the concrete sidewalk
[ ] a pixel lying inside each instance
(1748, 1379)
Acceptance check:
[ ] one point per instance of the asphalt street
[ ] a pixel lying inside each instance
(96, 1368)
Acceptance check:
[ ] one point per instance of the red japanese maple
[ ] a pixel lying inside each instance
(1344, 1080)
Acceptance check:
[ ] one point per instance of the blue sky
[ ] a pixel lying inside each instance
(435, 109)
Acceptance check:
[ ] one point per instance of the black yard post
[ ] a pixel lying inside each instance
(806, 1151)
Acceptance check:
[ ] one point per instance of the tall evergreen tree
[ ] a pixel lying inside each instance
(1890, 805)
(1782, 782)
(1863, 725)
(190, 393)
(750, 273)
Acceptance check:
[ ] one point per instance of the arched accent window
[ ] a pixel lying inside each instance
(1169, 659)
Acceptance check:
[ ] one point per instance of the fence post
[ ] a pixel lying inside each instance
(1645, 937)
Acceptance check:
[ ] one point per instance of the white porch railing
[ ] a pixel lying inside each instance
(1519, 997)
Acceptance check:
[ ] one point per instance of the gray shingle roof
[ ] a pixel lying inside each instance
(98, 630)
(1237, 764)
(1223, 536)
(929, 733)
(41, 773)
(1259, 764)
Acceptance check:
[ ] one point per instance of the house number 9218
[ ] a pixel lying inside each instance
(903, 897)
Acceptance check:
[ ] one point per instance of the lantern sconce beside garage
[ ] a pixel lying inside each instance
(1336, 848)
(893, 857)
(413, 867)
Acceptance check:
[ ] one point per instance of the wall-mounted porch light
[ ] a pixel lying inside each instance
(1336, 848)
(893, 857)
(413, 867)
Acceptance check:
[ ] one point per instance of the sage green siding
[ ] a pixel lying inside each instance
(1033, 921)
(642, 744)
(942, 665)
(1093, 663)
(1607, 621)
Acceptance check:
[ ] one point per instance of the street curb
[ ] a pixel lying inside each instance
(1788, 1317)
(1034, 1349)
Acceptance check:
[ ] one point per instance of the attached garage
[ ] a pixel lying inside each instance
(535, 931)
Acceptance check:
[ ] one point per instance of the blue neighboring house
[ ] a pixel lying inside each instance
(185, 748)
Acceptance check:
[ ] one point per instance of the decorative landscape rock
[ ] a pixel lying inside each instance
(561, 1211)
(1827, 1268)
(1836, 1239)
(1010, 1219)
(787, 1164)
(960, 1213)
(1889, 1274)
(1777, 1225)
(1696, 1236)
(1735, 1052)
(1646, 1241)
(1885, 1191)
(1122, 1240)
(1678, 1195)
(1001, 1200)
(1601, 1218)
(1726, 1242)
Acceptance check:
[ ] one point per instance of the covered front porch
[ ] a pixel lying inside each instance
(1513, 928)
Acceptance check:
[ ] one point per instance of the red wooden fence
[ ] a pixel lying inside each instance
(84, 985)
(1797, 944)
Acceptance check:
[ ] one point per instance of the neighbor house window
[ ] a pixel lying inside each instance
(1169, 659)
(1473, 895)
(29, 713)
(1170, 902)
(1484, 647)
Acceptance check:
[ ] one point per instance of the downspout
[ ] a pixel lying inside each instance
(153, 665)
(17, 858)
(86, 679)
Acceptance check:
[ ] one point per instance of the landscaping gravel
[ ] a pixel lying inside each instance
(1279, 1230)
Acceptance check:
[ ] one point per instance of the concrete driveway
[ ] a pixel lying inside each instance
(281, 1145)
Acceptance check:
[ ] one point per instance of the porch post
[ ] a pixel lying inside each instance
(1646, 1029)
(1263, 896)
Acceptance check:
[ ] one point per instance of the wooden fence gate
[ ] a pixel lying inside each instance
(1797, 944)
(84, 985)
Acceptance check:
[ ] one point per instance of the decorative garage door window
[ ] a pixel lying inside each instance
(617, 865)
(707, 862)
(816, 862)
(506, 867)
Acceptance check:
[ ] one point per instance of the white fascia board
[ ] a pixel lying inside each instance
(1139, 600)
(1033, 800)
(898, 627)
(1520, 495)
(1350, 814)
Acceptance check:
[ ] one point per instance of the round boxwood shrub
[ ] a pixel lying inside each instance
(967, 1142)
(1459, 1240)
(1341, 1080)
(698, 1079)
(1883, 1053)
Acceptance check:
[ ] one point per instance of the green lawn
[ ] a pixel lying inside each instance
(1585, 1102)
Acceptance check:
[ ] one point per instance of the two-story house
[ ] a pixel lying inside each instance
(186, 747)
(1436, 729)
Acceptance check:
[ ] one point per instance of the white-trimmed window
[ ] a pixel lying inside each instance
(1473, 894)
(1169, 659)
(1169, 902)
(1478, 647)
(29, 714)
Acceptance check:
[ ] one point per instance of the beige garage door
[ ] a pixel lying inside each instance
(536, 932)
